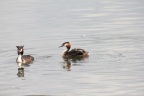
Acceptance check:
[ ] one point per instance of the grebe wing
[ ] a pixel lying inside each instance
(76, 51)
(27, 57)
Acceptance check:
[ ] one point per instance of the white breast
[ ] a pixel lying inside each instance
(19, 65)
(19, 59)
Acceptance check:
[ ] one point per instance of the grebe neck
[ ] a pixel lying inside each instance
(66, 51)
(19, 59)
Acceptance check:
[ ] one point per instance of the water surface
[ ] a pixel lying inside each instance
(111, 30)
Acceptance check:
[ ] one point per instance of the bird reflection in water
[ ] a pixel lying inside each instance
(20, 70)
(67, 64)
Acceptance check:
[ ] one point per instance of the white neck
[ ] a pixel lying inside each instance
(64, 51)
(19, 59)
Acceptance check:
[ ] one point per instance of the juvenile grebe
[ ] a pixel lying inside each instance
(26, 59)
(76, 52)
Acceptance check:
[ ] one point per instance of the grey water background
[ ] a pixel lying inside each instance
(111, 30)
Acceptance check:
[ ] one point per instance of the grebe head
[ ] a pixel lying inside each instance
(20, 50)
(66, 44)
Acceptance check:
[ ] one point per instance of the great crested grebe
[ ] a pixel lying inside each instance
(26, 59)
(76, 52)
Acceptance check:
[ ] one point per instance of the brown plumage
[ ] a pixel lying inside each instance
(76, 52)
(23, 58)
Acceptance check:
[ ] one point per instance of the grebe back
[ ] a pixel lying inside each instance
(23, 58)
(76, 52)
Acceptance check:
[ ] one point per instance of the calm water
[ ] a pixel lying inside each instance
(111, 30)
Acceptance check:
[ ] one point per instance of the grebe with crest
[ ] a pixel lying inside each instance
(76, 52)
(26, 59)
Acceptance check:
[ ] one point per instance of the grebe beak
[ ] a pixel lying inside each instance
(62, 45)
